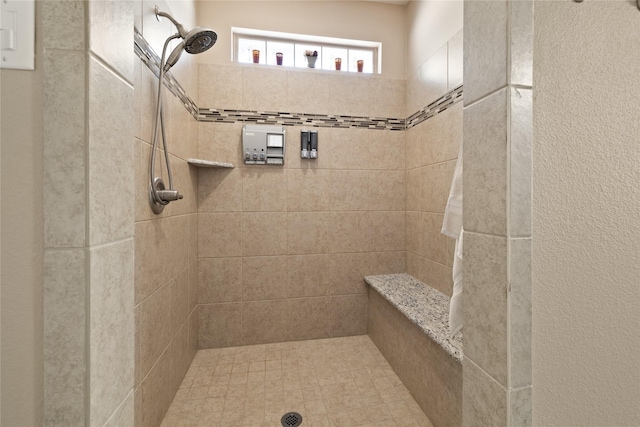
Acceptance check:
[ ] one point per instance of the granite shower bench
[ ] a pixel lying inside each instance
(408, 322)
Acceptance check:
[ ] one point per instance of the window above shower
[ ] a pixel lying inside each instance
(293, 47)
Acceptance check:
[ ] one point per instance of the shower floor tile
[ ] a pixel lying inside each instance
(337, 382)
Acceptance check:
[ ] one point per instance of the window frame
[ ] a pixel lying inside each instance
(324, 42)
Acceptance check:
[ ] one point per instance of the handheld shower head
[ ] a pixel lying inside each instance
(199, 40)
(195, 41)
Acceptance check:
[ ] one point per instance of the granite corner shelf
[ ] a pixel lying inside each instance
(199, 163)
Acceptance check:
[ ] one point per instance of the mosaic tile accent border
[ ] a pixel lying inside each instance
(436, 107)
(146, 53)
(293, 119)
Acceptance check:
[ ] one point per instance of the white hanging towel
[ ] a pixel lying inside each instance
(452, 227)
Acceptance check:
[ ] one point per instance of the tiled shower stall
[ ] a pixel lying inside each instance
(282, 251)
(252, 254)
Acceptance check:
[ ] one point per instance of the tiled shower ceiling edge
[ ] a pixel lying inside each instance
(146, 53)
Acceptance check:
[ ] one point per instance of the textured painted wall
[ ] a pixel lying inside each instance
(21, 124)
(586, 260)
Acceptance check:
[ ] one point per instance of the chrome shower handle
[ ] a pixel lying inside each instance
(169, 195)
(159, 196)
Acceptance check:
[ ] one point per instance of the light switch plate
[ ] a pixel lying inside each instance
(17, 38)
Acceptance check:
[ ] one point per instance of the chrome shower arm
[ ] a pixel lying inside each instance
(178, 25)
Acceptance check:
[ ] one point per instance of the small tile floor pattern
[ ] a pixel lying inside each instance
(336, 382)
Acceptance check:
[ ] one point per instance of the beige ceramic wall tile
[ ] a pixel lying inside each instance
(308, 318)
(111, 155)
(141, 194)
(309, 232)
(413, 264)
(414, 232)
(220, 86)
(145, 102)
(484, 401)
(387, 231)
(264, 89)
(520, 407)
(181, 142)
(387, 150)
(64, 144)
(349, 232)
(485, 329)
(154, 327)
(520, 313)
(179, 301)
(434, 243)
(433, 76)
(349, 190)
(521, 157)
(309, 275)
(219, 235)
(348, 315)
(185, 180)
(264, 233)
(346, 272)
(219, 325)
(521, 42)
(485, 48)
(485, 165)
(435, 186)
(307, 92)
(455, 66)
(193, 286)
(264, 277)
(112, 328)
(138, 65)
(349, 95)
(308, 190)
(221, 142)
(161, 251)
(155, 393)
(436, 275)
(264, 189)
(194, 326)
(219, 190)
(414, 137)
(388, 262)
(414, 190)
(64, 24)
(179, 358)
(387, 98)
(125, 414)
(387, 191)
(192, 249)
(64, 336)
(414, 101)
(219, 280)
(264, 322)
(347, 148)
(110, 34)
(442, 136)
